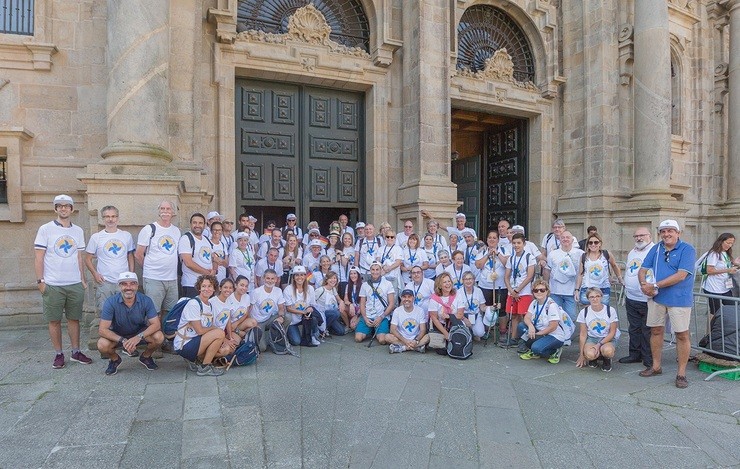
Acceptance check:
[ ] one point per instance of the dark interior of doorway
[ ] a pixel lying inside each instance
(264, 215)
(325, 215)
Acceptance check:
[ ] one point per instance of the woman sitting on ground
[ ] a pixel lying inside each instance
(352, 297)
(468, 303)
(540, 332)
(198, 339)
(299, 296)
(442, 304)
(330, 306)
(240, 303)
(222, 312)
(599, 332)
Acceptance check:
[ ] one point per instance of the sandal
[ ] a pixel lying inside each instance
(682, 382)
(221, 362)
(648, 372)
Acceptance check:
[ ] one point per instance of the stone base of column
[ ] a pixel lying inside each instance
(136, 153)
(436, 196)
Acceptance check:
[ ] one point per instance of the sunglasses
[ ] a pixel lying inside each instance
(539, 290)
(408, 226)
(667, 256)
(594, 243)
(389, 237)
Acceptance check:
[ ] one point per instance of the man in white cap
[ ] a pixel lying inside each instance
(291, 224)
(670, 293)
(246, 225)
(60, 277)
(470, 249)
(129, 319)
(210, 218)
(156, 251)
(114, 251)
(312, 256)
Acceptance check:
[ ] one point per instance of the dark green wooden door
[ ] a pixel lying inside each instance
(298, 149)
(466, 174)
(506, 175)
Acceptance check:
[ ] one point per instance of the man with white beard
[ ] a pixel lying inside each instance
(636, 301)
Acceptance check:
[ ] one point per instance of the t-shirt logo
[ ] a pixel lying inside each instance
(65, 246)
(114, 249)
(409, 324)
(267, 306)
(634, 266)
(598, 326)
(650, 276)
(300, 306)
(240, 312)
(417, 299)
(166, 244)
(222, 317)
(564, 266)
(205, 253)
(595, 271)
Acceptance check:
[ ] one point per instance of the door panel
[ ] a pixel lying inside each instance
(298, 148)
(466, 174)
(506, 175)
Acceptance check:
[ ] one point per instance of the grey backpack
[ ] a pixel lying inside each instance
(460, 342)
(277, 340)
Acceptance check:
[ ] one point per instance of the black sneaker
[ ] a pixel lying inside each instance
(148, 362)
(133, 354)
(593, 363)
(113, 367)
(606, 364)
(167, 346)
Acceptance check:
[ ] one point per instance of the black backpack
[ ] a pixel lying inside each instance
(246, 354)
(460, 341)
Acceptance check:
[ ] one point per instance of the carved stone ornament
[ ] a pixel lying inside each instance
(625, 32)
(721, 69)
(307, 25)
(498, 67)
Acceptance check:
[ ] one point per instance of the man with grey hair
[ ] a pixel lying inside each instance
(114, 251)
(156, 252)
(551, 241)
(636, 301)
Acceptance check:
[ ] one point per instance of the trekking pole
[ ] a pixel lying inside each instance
(372, 339)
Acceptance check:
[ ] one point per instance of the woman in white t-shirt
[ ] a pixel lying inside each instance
(471, 303)
(541, 332)
(457, 268)
(599, 332)
(330, 306)
(222, 312)
(597, 265)
(241, 305)
(444, 261)
(442, 303)
(720, 267)
(431, 249)
(413, 255)
(198, 339)
(345, 258)
(292, 257)
(325, 266)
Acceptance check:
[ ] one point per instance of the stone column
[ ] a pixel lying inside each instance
(138, 61)
(652, 78)
(733, 134)
(426, 112)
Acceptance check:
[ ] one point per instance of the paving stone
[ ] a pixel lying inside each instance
(283, 443)
(400, 449)
(521, 454)
(85, 456)
(203, 438)
(156, 442)
(502, 426)
(162, 402)
(102, 421)
(385, 384)
(563, 454)
(456, 417)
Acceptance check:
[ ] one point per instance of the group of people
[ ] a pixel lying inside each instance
(402, 289)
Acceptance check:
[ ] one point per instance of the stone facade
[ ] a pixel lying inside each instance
(129, 102)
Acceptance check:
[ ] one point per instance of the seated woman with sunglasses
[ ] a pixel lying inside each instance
(599, 332)
(596, 265)
(540, 332)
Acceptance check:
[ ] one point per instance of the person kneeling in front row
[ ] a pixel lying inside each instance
(408, 326)
(541, 332)
(377, 299)
(599, 331)
(129, 319)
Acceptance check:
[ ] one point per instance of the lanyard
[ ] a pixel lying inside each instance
(470, 302)
(538, 310)
(247, 259)
(416, 293)
(412, 258)
(468, 250)
(385, 253)
(515, 264)
(371, 248)
(458, 283)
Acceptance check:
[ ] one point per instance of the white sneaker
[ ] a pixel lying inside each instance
(396, 348)
(315, 341)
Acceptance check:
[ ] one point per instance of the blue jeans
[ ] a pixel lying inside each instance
(333, 324)
(294, 334)
(568, 303)
(544, 346)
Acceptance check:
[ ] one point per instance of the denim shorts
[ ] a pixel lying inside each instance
(189, 351)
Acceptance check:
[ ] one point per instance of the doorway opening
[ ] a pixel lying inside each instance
(490, 168)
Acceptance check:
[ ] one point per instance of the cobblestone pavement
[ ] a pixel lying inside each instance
(344, 405)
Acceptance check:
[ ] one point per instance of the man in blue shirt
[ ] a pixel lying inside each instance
(129, 319)
(666, 278)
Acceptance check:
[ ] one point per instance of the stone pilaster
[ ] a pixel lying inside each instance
(652, 91)
(733, 143)
(426, 112)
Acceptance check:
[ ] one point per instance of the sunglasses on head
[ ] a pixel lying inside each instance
(539, 290)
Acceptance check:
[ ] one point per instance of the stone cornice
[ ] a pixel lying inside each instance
(26, 55)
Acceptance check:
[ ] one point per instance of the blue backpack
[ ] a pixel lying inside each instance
(172, 318)
(246, 354)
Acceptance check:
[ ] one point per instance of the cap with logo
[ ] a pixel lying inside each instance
(669, 224)
(360, 225)
(299, 269)
(291, 216)
(127, 277)
(517, 229)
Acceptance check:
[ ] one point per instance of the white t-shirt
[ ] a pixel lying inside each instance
(240, 307)
(457, 275)
(373, 306)
(343, 270)
(435, 307)
(470, 302)
(298, 301)
(221, 311)
(161, 258)
(309, 261)
(550, 243)
(201, 256)
(401, 239)
(325, 299)
(563, 268)
(317, 279)
(718, 283)
(432, 259)
(441, 268)
(243, 262)
(369, 251)
(61, 259)
(389, 255)
(598, 323)
(111, 250)
(412, 257)
(596, 273)
(221, 250)
(262, 265)
(266, 245)
(531, 248)
(631, 281)
(408, 322)
(519, 266)
(192, 312)
(471, 253)
(491, 276)
(264, 304)
(550, 311)
(422, 293)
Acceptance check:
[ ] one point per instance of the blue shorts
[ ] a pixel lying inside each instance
(595, 340)
(190, 350)
(383, 328)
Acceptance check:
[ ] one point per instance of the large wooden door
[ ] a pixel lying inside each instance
(506, 175)
(466, 175)
(297, 149)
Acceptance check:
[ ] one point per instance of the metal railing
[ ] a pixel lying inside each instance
(717, 336)
(16, 17)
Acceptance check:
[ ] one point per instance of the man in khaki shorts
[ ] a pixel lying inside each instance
(666, 278)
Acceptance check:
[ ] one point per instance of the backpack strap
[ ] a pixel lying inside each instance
(192, 241)
(153, 227)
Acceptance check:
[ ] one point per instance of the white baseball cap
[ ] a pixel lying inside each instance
(291, 216)
(517, 229)
(127, 277)
(669, 224)
(63, 199)
(299, 269)
(360, 225)
(468, 232)
(212, 215)
(241, 235)
(251, 218)
(315, 242)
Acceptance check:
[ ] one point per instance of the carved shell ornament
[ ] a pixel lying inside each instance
(499, 67)
(307, 25)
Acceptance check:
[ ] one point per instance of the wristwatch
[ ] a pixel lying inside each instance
(40, 281)
(140, 335)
